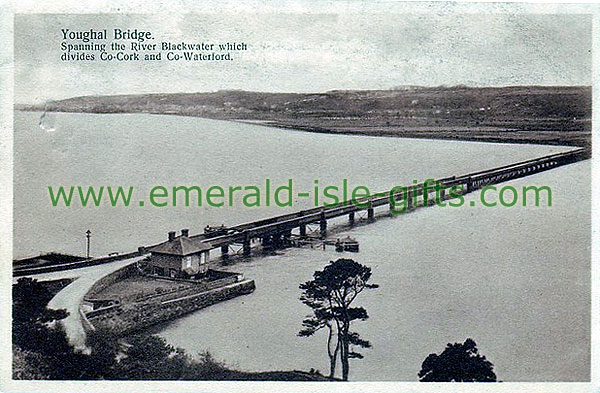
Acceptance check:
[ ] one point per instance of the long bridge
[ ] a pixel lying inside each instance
(277, 230)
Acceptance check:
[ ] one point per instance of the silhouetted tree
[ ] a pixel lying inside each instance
(322, 318)
(30, 299)
(152, 358)
(37, 328)
(104, 348)
(147, 358)
(458, 363)
(330, 294)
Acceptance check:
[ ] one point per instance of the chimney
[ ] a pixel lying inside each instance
(171, 235)
(185, 232)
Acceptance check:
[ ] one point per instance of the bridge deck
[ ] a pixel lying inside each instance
(243, 233)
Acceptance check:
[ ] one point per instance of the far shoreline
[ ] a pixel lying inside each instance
(468, 134)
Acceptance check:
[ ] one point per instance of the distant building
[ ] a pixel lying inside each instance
(180, 256)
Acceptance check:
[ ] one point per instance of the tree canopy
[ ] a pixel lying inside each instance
(457, 363)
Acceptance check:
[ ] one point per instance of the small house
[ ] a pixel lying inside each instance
(180, 256)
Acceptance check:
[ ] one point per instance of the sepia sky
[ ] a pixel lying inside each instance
(312, 52)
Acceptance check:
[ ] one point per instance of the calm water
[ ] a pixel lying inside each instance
(515, 280)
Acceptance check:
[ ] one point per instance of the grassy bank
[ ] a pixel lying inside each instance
(41, 350)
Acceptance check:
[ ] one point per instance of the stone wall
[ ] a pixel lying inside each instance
(137, 316)
(85, 322)
(189, 290)
(142, 313)
(110, 279)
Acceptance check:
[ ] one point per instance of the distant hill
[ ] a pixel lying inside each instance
(407, 109)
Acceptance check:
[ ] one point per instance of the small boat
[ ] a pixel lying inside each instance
(346, 244)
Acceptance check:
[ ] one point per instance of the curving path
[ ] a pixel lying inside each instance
(70, 297)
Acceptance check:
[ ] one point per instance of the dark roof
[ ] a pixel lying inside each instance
(181, 245)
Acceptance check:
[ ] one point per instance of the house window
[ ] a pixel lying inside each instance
(172, 273)
(187, 262)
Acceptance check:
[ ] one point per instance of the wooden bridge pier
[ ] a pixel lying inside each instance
(323, 224)
(271, 241)
(225, 250)
(277, 229)
(302, 230)
(286, 237)
(370, 211)
(429, 199)
(246, 247)
(442, 194)
(469, 184)
(266, 241)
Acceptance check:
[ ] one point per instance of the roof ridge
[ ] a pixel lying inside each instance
(181, 245)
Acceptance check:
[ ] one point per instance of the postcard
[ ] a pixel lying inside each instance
(311, 196)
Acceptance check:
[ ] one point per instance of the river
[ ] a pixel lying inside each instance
(516, 280)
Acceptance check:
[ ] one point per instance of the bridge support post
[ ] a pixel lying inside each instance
(276, 240)
(323, 225)
(442, 195)
(392, 210)
(351, 219)
(266, 241)
(429, 198)
(225, 250)
(287, 235)
(302, 229)
(370, 212)
(409, 199)
(246, 245)
(469, 185)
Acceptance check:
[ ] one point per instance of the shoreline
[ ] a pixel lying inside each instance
(484, 134)
(474, 136)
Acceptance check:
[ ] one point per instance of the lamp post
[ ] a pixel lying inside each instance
(88, 234)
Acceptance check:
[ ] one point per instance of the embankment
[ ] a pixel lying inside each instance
(26, 271)
(136, 315)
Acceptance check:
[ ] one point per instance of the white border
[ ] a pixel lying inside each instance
(7, 11)
(6, 185)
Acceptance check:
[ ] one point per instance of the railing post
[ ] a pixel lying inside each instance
(370, 211)
(351, 218)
